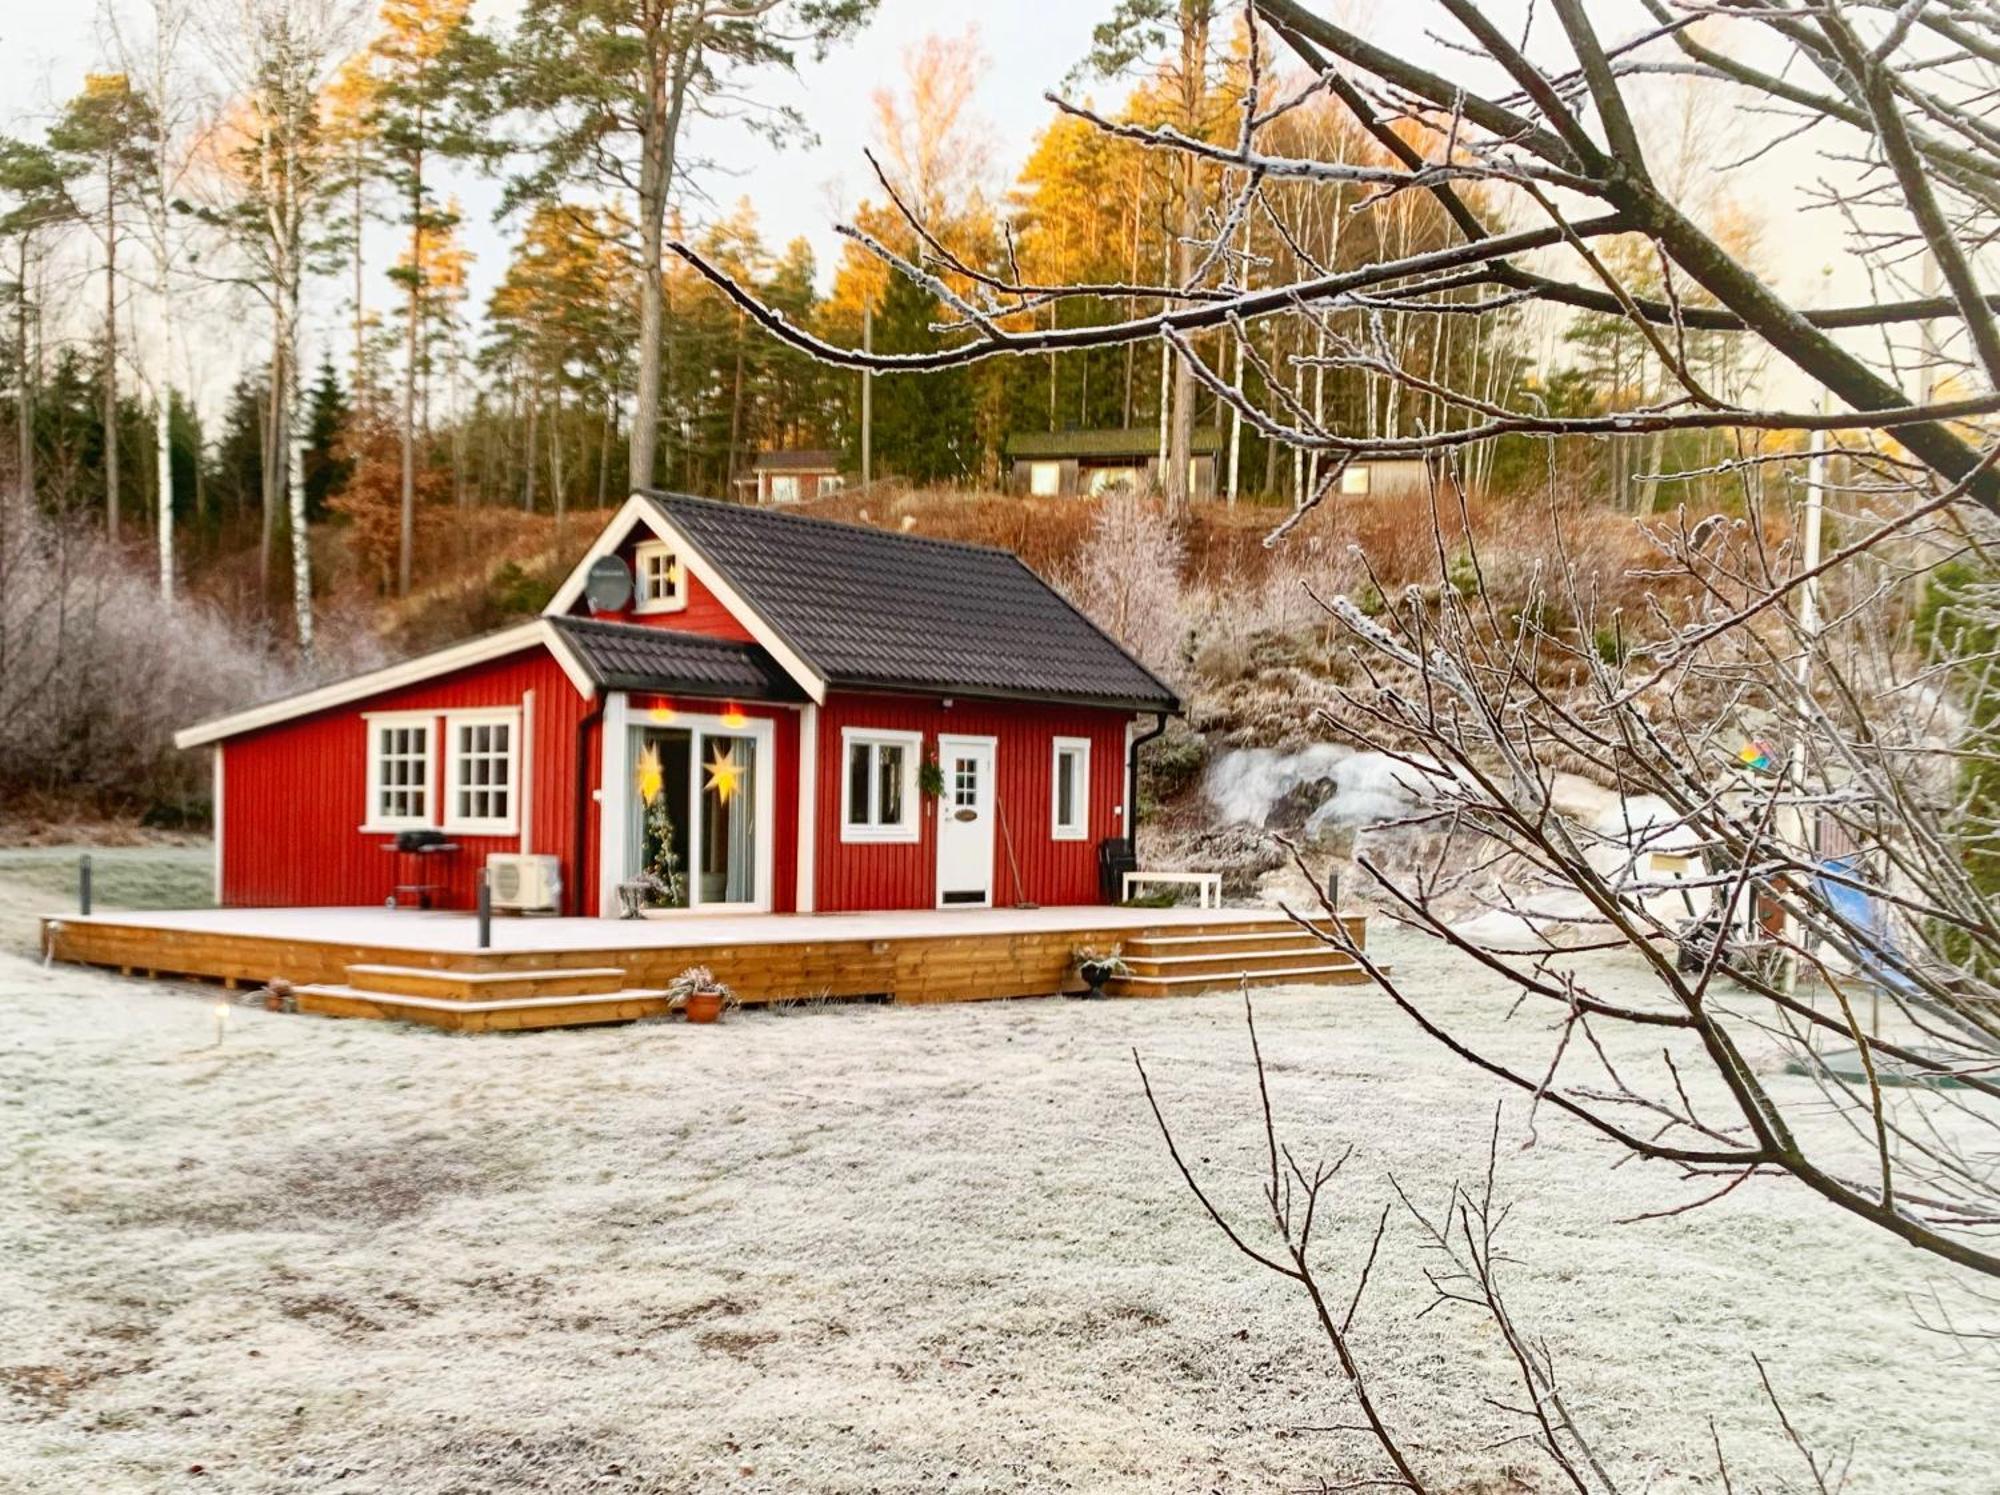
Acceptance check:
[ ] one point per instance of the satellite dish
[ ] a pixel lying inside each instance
(608, 588)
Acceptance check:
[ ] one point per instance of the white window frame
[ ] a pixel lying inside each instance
(374, 723)
(1038, 471)
(909, 828)
(1079, 830)
(791, 491)
(492, 825)
(676, 598)
(1356, 479)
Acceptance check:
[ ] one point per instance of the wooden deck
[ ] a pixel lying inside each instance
(427, 967)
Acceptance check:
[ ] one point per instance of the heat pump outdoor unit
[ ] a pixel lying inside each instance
(527, 884)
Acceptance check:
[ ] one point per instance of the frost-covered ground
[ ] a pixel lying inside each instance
(857, 1249)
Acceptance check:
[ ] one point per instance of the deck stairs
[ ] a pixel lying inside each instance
(1186, 960)
(485, 1001)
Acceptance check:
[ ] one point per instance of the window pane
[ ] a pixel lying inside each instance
(857, 784)
(1065, 788)
(891, 777)
(728, 821)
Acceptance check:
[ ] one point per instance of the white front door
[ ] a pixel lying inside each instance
(965, 822)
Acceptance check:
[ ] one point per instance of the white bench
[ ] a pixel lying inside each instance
(1208, 885)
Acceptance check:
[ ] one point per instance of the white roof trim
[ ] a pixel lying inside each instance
(538, 632)
(641, 509)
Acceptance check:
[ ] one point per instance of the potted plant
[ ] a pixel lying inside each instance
(930, 778)
(1099, 966)
(699, 995)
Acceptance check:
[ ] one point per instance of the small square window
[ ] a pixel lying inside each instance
(658, 582)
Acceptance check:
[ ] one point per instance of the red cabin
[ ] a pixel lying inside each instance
(723, 709)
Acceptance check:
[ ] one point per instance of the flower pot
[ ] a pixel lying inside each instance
(703, 1006)
(1095, 973)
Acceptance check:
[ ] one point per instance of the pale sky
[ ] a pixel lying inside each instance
(1030, 46)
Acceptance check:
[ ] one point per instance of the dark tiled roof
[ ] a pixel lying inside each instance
(1135, 442)
(632, 656)
(800, 461)
(868, 608)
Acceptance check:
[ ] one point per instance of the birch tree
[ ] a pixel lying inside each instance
(156, 61)
(277, 173)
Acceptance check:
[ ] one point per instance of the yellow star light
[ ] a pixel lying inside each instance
(725, 776)
(651, 776)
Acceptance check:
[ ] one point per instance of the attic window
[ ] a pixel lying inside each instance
(658, 583)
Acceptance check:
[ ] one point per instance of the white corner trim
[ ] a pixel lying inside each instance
(806, 887)
(613, 775)
(524, 767)
(1080, 831)
(537, 631)
(217, 793)
(639, 509)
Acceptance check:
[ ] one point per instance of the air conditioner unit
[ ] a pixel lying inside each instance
(528, 884)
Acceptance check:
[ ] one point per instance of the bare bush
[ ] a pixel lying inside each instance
(96, 674)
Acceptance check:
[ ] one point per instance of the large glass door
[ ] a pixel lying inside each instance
(694, 832)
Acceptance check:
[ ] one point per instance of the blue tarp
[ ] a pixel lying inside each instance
(1880, 959)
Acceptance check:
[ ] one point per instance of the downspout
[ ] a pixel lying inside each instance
(584, 724)
(1132, 778)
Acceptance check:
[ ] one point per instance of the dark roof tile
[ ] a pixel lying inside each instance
(633, 656)
(870, 608)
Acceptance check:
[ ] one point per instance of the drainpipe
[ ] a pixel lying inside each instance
(583, 726)
(1132, 778)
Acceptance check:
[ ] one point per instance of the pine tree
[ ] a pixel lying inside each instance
(924, 429)
(608, 83)
(327, 462)
(104, 137)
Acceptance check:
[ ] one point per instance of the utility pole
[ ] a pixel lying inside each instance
(867, 396)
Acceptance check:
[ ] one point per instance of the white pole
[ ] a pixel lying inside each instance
(1809, 626)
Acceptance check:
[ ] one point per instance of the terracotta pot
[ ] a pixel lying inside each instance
(703, 1006)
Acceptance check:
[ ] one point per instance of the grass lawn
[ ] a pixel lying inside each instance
(853, 1249)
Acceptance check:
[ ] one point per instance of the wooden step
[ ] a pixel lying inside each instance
(1242, 933)
(1192, 961)
(485, 1016)
(1149, 948)
(1325, 973)
(485, 986)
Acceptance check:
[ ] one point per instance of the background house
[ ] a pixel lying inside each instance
(791, 476)
(1071, 463)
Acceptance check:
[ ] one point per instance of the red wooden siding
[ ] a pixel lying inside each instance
(853, 876)
(296, 793)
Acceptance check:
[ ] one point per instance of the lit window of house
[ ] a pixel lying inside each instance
(657, 579)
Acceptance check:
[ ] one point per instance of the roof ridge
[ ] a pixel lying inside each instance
(662, 498)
